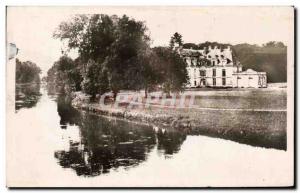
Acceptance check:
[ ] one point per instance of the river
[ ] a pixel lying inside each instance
(57, 145)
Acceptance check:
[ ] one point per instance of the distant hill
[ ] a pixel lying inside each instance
(270, 58)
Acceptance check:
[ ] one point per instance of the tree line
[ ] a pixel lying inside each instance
(27, 72)
(114, 54)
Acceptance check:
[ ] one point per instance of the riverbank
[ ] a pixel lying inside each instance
(211, 116)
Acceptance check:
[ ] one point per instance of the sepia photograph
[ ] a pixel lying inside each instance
(150, 96)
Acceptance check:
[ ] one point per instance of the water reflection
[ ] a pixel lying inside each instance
(170, 141)
(27, 95)
(107, 144)
(67, 114)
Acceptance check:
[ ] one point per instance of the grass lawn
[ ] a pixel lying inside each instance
(251, 99)
(247, 125)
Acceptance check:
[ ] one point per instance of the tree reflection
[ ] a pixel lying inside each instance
(68, 114)
(170, 141)
(106, 144)
(27, 95)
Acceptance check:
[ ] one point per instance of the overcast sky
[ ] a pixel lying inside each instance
(31, 28)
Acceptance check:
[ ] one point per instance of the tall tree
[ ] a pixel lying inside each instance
(95, 79)
(90, 35)
(176, 40)
(124, 61)
(174, 71)
(151, 75)
(113, 43)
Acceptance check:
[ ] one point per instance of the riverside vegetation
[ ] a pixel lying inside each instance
(115, 54)
(27, 84)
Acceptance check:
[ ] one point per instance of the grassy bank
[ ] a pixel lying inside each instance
(254, 127)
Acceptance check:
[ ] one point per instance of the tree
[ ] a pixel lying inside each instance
(114, 44)
(174, 71)
(91, 36)
(65, 73)
(270, 44)
(271, 60)
(125, 59)
(27, 72)
(190, 45)
(95, 79)
(280, 45)
(176, 40)
(150, 71)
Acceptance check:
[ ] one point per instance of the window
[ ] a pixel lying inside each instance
(214, 81)
(260, 80)
(195, 83)
(223, 72)
(213, 63)
(214, 72)
(203, 82)
(195, 61)
(202, 73)
(223, 81)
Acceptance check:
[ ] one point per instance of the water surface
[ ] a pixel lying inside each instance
(62, 146)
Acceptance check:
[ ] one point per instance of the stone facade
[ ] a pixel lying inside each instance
(215, 67)
(249, 79)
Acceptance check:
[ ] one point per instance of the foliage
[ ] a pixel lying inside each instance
(190, 46)
(173, 70)
(270, 58)
(212, 45)
(151, 70)
(65, 73)
(95, 79)
(114, 44)
(27, 72)
(126, 59)
(176, 40)
(274, 44)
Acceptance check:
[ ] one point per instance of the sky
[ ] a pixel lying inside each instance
(31, 28)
